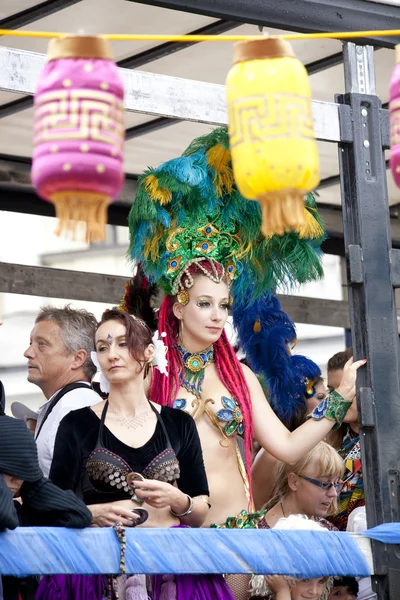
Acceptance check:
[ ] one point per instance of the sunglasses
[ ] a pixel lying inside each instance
(324, 485)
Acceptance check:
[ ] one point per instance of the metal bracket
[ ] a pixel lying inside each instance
(385, 128)
(359, 77)
(356, 274)
(366, 408)
(345, 123)
(394, 485)
(395, 267)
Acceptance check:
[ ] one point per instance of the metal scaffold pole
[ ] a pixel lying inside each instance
(373, 274)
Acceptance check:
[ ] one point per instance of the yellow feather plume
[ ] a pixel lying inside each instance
(163, 196)
(219, 158)
(151, 247)
(311, 229)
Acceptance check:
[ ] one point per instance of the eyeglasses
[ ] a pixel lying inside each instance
(324, 485)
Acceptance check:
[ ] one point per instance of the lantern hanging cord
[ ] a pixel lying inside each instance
(117, 37)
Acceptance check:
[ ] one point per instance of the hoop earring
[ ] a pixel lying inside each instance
(180, 328)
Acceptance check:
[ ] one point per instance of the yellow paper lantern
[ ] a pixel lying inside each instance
(274, 152)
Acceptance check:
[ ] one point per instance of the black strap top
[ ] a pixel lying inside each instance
(108, 472)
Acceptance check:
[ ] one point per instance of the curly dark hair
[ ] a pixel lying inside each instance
(349, 582)
(138, 334)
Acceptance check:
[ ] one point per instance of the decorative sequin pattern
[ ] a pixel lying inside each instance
(107, 470)
(244, 520)
(194, 365)
(320, 410)
(231, 415)
(165, 467)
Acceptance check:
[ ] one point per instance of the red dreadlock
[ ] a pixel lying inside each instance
(164, 389)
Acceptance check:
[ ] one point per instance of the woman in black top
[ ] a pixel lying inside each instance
(127, 453)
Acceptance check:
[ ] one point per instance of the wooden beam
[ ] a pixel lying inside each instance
(94, 287)
(158, 95)
(316, 311)
(16, 172)
(60, 283)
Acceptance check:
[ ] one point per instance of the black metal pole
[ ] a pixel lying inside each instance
(371, 279)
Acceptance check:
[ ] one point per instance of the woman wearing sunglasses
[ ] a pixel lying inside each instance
(310, 487)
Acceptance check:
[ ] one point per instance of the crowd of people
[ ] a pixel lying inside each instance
(167, 436)
(126, 458)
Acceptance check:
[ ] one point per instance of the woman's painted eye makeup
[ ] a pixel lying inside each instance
(203, 303)
(223, 305)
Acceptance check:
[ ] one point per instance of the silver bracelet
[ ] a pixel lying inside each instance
(188, 511)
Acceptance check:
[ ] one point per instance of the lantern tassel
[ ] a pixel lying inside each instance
(75, 208)
(282, 211)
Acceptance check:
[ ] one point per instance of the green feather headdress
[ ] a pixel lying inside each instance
(189, 209)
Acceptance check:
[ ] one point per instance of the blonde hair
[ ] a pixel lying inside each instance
(258, 584)
(323, 458)
(259, 587)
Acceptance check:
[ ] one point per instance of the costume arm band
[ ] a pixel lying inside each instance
(334, 407)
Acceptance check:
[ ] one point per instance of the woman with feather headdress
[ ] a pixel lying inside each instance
(200, 242)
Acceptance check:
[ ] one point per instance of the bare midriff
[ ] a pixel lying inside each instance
(226, 482)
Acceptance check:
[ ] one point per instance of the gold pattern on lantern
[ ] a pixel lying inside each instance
(100, 168)
(54, 148)
(88, 68)
(114, 152)
(92, 121)
(398, 169)
(84, 147)
(104, 85)
(67, 83)
(67, 166)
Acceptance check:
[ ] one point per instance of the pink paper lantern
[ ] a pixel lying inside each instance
(394, 109)
(78, 133)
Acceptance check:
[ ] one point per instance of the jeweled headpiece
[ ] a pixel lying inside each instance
(196, 243)
(189, 211)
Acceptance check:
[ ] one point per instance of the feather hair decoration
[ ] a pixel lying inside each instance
(267, 334)
(199, 188)
(141, 299)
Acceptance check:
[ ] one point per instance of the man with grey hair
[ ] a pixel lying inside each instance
(59, 363)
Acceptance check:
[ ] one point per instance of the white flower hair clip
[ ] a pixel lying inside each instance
(160, 353)
(104, 384)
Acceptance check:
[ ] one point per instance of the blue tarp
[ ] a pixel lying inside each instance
(49, 550)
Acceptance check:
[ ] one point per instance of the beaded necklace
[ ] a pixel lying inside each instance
(195, 363)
